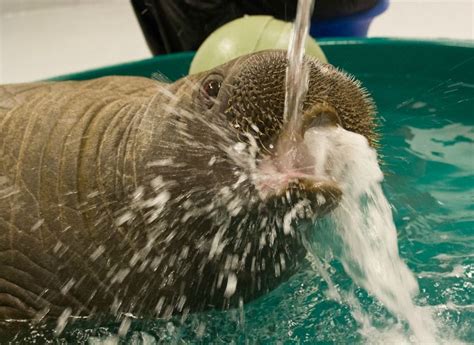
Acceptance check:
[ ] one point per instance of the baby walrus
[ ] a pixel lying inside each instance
(127, 195)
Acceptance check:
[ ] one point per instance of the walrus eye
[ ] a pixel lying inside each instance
(210, 89)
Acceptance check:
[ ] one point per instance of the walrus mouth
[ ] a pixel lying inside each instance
(290, 171)
(323, 195)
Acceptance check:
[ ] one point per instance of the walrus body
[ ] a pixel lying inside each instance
(125, 195)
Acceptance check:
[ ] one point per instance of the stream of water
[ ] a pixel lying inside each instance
(362, 235)
(297, 72)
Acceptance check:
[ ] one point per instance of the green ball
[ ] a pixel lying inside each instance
(244, 36)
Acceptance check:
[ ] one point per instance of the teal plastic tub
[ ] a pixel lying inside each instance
(361, 57)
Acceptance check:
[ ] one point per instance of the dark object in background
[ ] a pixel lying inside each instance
(182, 25)
(323, 9)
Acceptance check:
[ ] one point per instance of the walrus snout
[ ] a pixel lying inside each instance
(253, 101)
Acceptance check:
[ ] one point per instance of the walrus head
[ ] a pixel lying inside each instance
(245, 98)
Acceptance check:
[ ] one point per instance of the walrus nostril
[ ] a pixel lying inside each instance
(320, 115)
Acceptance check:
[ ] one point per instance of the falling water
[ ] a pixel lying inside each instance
(363, 224)
(296, 72)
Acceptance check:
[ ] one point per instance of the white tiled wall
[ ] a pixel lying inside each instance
(44, 38)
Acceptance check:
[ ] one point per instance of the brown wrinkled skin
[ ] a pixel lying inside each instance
(73, 153)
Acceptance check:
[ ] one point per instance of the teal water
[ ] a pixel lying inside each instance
(427, 154)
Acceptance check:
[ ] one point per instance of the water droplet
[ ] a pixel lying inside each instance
(62, 321)
(231, 285)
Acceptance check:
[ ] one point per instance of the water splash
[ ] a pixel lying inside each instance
(363, 227)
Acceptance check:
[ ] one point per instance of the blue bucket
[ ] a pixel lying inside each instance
(353, 25)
